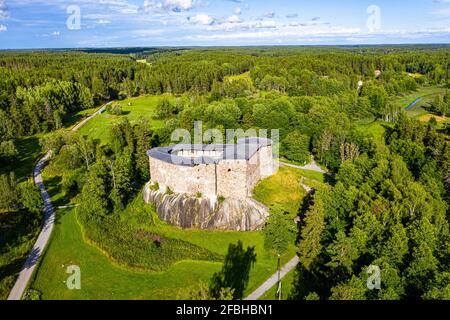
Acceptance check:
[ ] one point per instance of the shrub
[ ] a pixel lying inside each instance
(33, 294)
(114, 109)
(198, 195)
(221, 199)
(155, 186)
(169, 192)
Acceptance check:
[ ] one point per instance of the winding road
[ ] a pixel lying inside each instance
(49, 221)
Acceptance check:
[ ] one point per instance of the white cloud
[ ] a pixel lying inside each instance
(238, 11)
(3, 28)
(279, 33)
(243, 25)
(168, 5)
(202, 19)
(103, 21)
(234, 19)
(178, 4)
(4, 14)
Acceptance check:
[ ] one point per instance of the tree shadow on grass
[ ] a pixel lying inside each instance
(235, 272)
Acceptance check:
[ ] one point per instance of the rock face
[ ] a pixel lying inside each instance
(202, 213)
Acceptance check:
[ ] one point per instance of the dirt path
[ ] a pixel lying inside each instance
(310, 167)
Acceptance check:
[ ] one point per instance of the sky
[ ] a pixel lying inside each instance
(147, 23)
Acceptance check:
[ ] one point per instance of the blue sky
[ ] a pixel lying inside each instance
(120, 23)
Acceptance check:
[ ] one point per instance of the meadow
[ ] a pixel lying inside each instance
(133, 109)
(420, 110)
(377, 128)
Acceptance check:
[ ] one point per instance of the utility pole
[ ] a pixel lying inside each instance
(279, 293)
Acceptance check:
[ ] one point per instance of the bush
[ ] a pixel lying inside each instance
(114, 109)
(8, 151)
(155, 186)
(169, 191)
(33, 294)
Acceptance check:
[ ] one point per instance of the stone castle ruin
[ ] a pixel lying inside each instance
(210, 186)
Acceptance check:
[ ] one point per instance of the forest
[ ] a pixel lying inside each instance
(386, 201)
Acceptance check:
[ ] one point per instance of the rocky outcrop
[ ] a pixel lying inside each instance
(203, 213)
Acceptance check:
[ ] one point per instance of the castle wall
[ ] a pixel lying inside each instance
(232, 179)
(266, 162)
(182, 179)
(253, 173)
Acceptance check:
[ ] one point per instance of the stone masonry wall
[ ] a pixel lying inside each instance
(232, 179)
(266, 162)
(253, 173)
(182, 179)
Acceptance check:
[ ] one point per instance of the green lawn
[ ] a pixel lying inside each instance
(282, 189)
(374, 128)
(101, 279)
(141, 107)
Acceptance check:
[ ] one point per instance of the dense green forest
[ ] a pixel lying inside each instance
(386, 203)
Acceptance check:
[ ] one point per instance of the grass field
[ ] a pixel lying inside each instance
(282, 189)
(101, 279)
(374, 128)
(377, 128)
(404, 100)
(144, 61)
(421, 110)
(141, 107)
